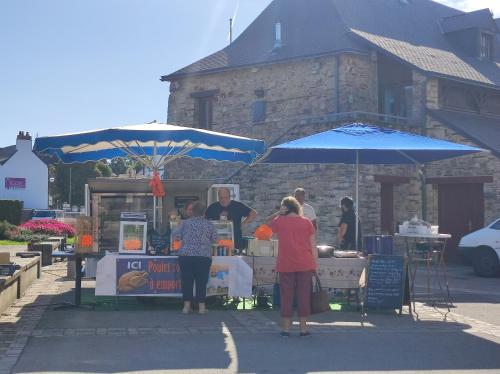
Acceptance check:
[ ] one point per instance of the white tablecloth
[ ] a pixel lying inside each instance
(332, 272)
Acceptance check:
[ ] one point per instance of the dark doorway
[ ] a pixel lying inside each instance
(387, 208)
(460, 211)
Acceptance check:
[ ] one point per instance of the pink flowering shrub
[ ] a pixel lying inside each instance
(49, 226)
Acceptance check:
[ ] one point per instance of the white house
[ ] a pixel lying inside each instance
(23, 176)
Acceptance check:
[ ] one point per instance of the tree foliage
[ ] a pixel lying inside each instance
(78, 174)
(59, 189)
(119, 166)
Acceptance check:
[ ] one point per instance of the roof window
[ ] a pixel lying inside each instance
(486, 46)
(277, 34)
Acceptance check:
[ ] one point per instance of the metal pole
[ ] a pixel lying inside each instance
(69, 200)
(155, 203)
(357, 198)
(230, 30)
(423, 190)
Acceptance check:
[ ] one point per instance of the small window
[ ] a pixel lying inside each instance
(486, 46)
(259, 111)
(277, 34)
(204, 109)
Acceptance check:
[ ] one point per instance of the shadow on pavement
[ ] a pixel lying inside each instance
(160, 340)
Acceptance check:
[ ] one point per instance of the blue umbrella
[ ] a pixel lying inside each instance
(153, 144)
(359, 143)
(365, 144)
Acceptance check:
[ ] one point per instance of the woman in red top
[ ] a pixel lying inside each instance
(296, 262)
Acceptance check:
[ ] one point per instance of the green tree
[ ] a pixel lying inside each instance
(102, 169)
(119, 165)
(73, 177)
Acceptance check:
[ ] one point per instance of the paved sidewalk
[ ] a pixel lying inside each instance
(36, 338)
(19, 321)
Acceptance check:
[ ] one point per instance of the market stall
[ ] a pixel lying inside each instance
(131, 217)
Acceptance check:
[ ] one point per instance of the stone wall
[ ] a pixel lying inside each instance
(295, 93)
(292, 91)
(358, 83)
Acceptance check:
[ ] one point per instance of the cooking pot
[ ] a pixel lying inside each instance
(325, 251)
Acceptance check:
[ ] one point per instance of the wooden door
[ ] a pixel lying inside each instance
(460, 211)
(387, 208)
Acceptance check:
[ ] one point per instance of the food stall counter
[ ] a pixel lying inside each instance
(136, 275)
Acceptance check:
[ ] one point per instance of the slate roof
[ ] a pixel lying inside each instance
(6, 153)
(306, 29)
(410, 30)
(437, 61)
(483, 130)
(469, 20)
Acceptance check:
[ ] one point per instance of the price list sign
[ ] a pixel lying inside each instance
(385, 282)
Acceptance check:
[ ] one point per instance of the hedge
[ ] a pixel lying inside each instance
(11, 211)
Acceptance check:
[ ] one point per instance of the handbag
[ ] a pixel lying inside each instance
(320, 301)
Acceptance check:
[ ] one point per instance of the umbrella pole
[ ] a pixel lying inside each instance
(357, 197)
(155, 199)
(154, 212)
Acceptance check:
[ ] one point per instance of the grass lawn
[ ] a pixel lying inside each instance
(12, 242)
(70, 241)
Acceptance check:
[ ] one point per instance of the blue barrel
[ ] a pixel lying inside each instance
(378, 244)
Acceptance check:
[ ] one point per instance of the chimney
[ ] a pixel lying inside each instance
(23, 142)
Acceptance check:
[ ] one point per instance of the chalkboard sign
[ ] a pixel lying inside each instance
(386, 278)
(158, 243)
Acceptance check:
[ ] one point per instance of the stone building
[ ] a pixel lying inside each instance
(305, 66)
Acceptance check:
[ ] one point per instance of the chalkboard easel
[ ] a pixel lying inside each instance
(387, 284)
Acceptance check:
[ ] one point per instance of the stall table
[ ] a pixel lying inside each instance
(334, 273)
(78, 258)
(435, 269)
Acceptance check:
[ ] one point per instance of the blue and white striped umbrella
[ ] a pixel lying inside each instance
(155, 144)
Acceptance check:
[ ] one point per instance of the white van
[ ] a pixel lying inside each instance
(481, 248)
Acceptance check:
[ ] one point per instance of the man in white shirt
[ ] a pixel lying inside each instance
(300, 195)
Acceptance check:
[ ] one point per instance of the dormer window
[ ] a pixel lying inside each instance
(277, 34)
(474, 33)
(486, 46)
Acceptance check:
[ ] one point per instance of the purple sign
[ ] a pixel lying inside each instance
(15, 183)
(148, 276)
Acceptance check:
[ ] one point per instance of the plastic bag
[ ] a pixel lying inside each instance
(263, 232)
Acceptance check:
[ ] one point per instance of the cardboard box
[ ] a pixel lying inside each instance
(268, 248)
(4, 257)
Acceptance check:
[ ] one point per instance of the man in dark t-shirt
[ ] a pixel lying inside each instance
(235, 211)
(347, 226)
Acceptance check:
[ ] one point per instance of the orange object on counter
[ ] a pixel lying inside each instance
(132, 244)
(263, 232)
(225, 243)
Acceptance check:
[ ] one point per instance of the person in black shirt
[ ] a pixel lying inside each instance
(235, 211)
(347, 226)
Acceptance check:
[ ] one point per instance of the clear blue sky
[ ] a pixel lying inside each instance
(76, 65)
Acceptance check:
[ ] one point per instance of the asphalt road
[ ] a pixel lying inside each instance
(164, 341)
